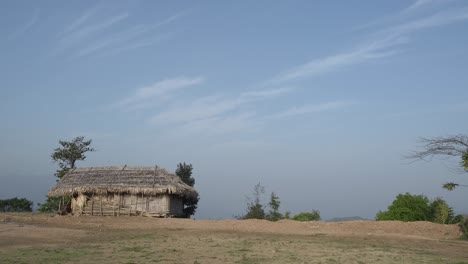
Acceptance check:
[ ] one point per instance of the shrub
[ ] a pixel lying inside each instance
(16, 205)
(274, 214)
(306, 216)
(458, 219)
(51, 204)
(464, 228)
(440, 212)
(407, 207)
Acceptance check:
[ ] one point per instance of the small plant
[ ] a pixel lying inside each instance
(464, 228)
(306, 216)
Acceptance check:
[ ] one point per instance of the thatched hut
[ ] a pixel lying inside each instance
(148, 191)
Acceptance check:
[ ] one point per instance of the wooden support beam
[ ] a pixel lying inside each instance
(130, 209)
(136, 204)
(60, 205)
(120, 201)
(92, 204)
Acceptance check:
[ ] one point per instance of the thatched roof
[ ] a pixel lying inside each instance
(134, 180)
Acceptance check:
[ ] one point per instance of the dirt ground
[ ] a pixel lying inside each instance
(42, 238)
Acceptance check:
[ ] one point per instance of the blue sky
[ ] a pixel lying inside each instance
(317, 100)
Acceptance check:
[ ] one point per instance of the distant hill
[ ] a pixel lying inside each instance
(346, 219)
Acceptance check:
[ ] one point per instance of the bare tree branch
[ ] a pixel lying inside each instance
(451, 146)
(444, 148)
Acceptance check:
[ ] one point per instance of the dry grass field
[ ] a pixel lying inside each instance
(40, 238)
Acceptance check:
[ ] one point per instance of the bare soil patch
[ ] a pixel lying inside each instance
(42, 238)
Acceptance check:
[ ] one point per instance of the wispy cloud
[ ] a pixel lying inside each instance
(157, 91)
(214, 107)
(92, 34)
(374, 50)
(218, 112)
(313, 108)
(85, 17)
(27, 26)
(255, 94)
(438, 19)
(419, 4)
(83, 32)
(238, 122)
(384, 44)
(202, 108)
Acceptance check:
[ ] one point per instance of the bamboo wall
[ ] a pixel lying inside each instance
(127, 204)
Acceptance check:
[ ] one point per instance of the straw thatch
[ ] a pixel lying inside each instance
(131, 180)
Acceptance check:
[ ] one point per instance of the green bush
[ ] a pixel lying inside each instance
(51, 204)
(464, 227)
(458, 219)
(306, 216)
(441, 213)
(407, 207)
(16, 205)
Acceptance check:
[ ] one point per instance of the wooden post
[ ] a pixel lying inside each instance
(60, 205)
(81, 205)
(130, 209)
(120, 200)
(136, 205)
(168, 209)
(113, 205)
(101, 205)
(92, 204)
(142, 203)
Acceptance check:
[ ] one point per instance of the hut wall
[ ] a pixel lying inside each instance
(115, 204)
(176, 206)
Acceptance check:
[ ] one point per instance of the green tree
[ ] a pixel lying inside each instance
(444, 147)
(255, 209)
(440, 212)
(306, 216)
(16, 205)
(66, 156)
(274, 204)
(69, 153)
(407, 207)
(184, 171)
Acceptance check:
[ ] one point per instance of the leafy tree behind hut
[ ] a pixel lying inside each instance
(66, 156)
(184, 171)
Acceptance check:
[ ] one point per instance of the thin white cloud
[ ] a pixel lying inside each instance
(27, 26)
(84, 32)
(134, 45)
(374, 50)
(313, 108)
(213, 126)
(202, 108)
(385, 44)
(419, 4)
(213, 107)
(158, 90)
(441, 18)
(83, 19)
(83, 38)
(266, 93)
